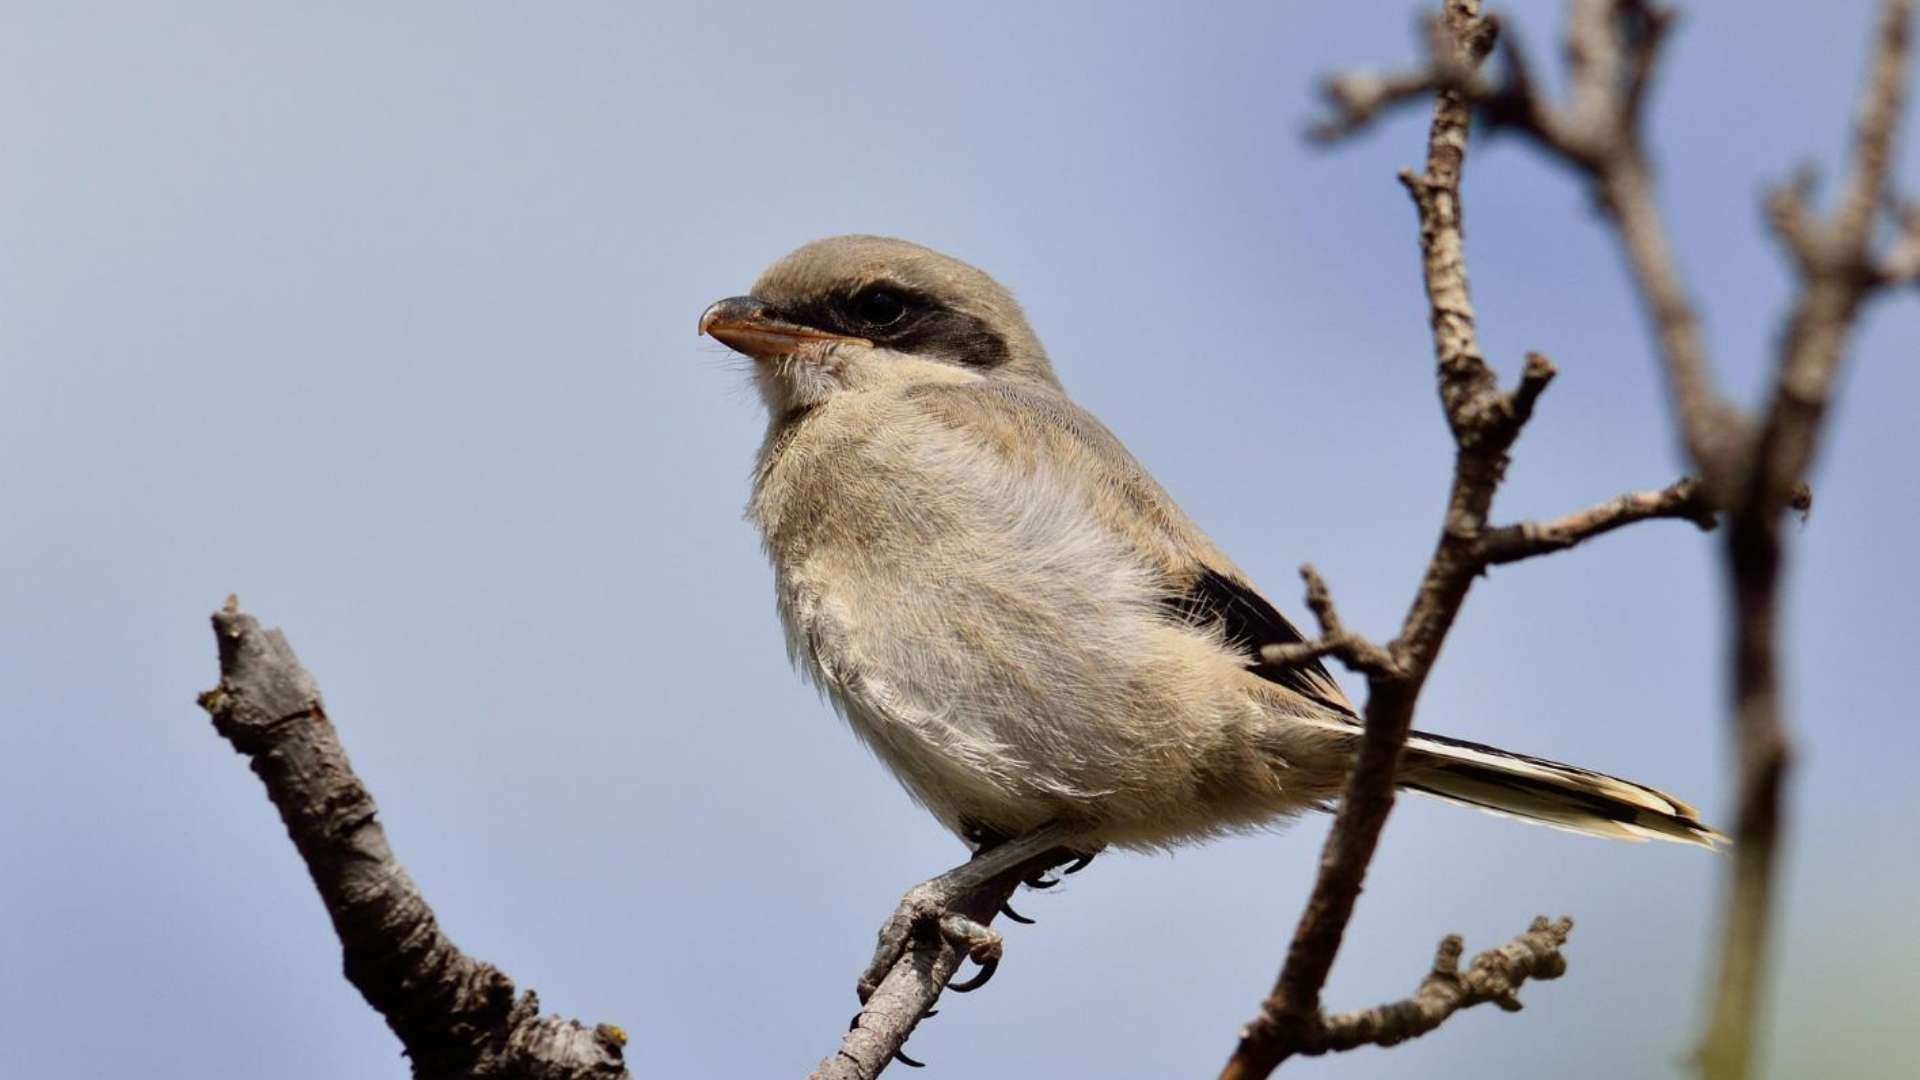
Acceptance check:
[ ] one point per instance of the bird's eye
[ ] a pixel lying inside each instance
(878, 307)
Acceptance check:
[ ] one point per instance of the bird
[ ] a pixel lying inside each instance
(1018, 619)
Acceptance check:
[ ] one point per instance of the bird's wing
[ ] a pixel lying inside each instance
(1031, 425)
(1249, 621)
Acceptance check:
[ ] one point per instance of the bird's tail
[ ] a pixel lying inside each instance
(1548, 792)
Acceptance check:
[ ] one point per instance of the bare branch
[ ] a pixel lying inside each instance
(1681, 500)
(1901, 265)
(1838, 272)
(1485, 421)
(1749, 471)
(1611, 47)
(1711, 430)
(1460, 38)
(1496, 976)
(456, 1016)
(1838, 269)
(1792, 219)
(1357, 97)
(1881, 102)
(1335, 640)
(1647, 29)
(1754, 471)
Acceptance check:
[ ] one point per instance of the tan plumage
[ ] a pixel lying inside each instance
(1014, 615)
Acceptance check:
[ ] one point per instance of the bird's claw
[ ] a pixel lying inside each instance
(928, 908)
(920, 908)
(898, 1055)
(987, 968)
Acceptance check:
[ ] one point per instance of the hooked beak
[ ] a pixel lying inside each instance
(749, 326)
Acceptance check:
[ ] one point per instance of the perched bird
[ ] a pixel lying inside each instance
(1012, 613)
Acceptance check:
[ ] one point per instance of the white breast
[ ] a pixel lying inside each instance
(1006, 655)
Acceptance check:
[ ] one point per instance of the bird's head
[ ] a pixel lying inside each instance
(850, 312)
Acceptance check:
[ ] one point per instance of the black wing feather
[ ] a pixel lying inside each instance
(1249, 622)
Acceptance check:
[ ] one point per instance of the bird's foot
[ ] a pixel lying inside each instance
(927, 908)
(942, 905)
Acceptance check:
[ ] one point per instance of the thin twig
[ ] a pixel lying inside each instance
(456, 1016)
(1335, 639)
(1901, 265)
(1681, 500)
(1495, 976)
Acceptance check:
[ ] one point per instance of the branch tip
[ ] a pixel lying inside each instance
(1535, 377)
(1353, 650)
(455, 1016)
(1495, 977)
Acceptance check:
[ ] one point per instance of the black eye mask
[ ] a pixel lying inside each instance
(911, 322)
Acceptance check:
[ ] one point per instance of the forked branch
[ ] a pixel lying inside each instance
(1495, 976)
(1752, 470)
(1485, 421)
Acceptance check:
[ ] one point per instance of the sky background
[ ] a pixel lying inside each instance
(382, 316)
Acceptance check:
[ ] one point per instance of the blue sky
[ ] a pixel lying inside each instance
(382, 317)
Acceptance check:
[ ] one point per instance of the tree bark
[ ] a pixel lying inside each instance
(455, 1016)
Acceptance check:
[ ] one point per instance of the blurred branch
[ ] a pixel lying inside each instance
(1838, 273)
(1752, 469)
(456, 1016)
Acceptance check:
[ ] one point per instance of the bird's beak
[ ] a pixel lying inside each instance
(747, 325)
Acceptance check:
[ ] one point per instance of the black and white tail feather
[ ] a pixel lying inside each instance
(1486, 778)
(1549, 793)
